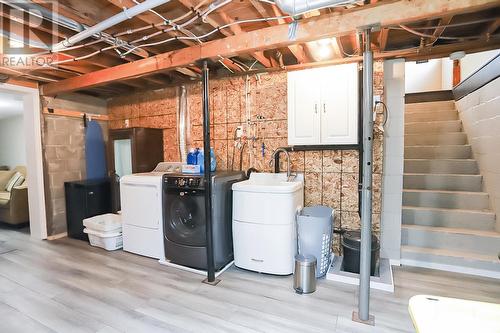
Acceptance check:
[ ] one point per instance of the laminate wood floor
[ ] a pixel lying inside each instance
(68, 286)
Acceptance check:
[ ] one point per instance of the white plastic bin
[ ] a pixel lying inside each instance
(104, 223)
(107, 240)
(105, 231)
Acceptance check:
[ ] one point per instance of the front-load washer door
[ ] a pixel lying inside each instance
(140, 205)
(185, 217)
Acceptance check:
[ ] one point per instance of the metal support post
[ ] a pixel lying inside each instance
(363, 314)
(208, 180)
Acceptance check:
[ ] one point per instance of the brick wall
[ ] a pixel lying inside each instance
(331, 177)
(481, 120)
(63, 142)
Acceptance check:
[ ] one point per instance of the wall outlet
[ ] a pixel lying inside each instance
(239, 132)
(377, 98)
(127, 123)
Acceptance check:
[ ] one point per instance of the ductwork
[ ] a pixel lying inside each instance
(108, 23)
(297, 7)
(35, 10)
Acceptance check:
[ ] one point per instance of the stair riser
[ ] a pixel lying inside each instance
(446, 200)
(447, 240)
(436, 140)
(452, 261)
(459, 152)
(431, 106)
(469, 183)
(449, 219)
(441, 166)
(434, 127)
(412, 117)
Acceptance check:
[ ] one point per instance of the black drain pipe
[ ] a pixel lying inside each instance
(208, 179)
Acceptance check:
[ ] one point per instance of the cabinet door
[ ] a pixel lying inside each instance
(303, 108)
(339, 104)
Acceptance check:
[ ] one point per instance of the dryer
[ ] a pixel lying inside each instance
(142, 213)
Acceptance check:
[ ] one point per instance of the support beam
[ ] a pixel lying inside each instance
(208, 180)
(363, 314)
(324, 26)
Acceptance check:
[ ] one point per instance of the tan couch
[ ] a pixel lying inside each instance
(13, 204)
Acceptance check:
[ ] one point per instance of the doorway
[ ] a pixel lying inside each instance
(26, 102)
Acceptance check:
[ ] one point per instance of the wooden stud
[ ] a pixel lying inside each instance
(74, 114)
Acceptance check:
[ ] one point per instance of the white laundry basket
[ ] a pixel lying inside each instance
(314, 231)
(104, 231)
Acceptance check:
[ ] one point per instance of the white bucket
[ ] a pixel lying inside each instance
(107, 240)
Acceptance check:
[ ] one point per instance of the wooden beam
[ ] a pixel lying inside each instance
(324, 26)
(382, 39)
(440, 29)
(492, 28)
(337, 48)
(74, 114)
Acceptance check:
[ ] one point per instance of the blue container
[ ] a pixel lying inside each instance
(192, 156)
(201, 160)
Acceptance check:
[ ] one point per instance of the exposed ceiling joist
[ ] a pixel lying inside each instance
(325, 26)
(382, 39)
(443, 22)
(492, 28)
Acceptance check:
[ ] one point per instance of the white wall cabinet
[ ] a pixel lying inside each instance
(323, 106)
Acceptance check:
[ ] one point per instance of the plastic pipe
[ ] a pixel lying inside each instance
(113, 20)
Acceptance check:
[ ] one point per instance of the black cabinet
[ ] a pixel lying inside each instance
(132, 150)
(85, 198)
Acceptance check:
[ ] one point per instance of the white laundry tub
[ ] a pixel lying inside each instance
(264, 227)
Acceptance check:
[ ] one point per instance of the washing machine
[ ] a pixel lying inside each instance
(141, 210)
(184, 215)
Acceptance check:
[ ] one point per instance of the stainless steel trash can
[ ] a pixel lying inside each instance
(304, 276)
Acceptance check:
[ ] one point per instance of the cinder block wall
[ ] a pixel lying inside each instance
(480, 116)
(63, 143)
(331, 177)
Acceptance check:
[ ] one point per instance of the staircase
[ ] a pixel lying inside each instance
(447, 223)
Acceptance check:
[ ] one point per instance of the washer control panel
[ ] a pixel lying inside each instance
(184, 181)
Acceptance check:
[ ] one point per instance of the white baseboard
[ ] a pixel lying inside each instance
(57, 236)
(451, 268)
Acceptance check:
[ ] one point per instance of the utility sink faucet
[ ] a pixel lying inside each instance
(289, 176)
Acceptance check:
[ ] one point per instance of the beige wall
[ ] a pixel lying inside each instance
(63, 143)
(480, 114)
(472, 62)
(434, 75)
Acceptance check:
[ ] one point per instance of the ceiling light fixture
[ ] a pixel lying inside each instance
(457, 55)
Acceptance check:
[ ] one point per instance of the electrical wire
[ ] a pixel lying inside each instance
(175, 27)
(208, 33)
(420, 34)
(385, 111)
(448, 25)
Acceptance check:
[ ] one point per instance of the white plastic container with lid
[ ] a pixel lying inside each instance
(107, 240)
(104, 231)
(104, 223)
